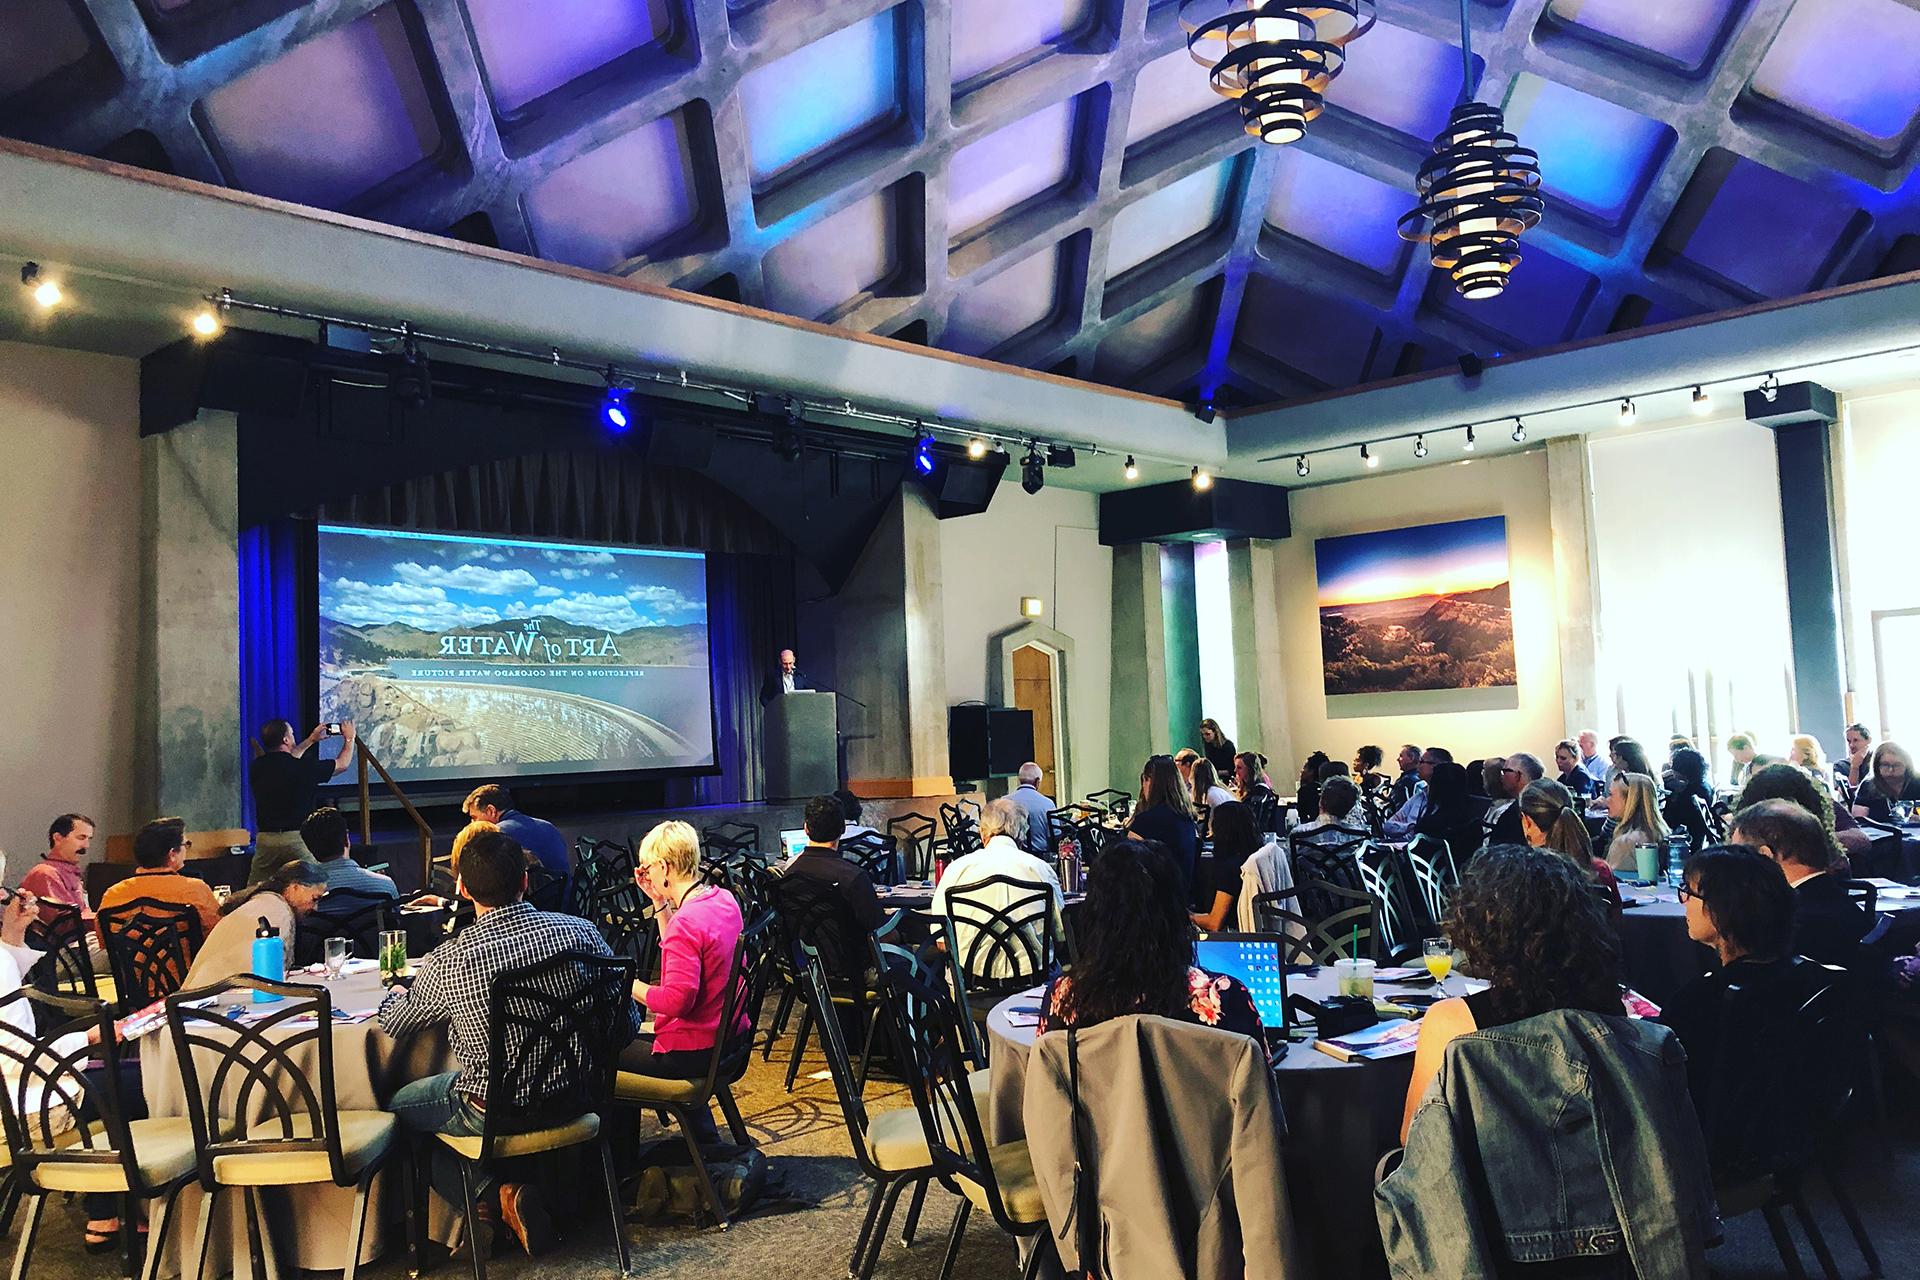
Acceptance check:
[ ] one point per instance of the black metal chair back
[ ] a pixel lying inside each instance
(545, 890)
(934, 964)
(1114, 801)
(1266, 810)
(811, 911)
(1774, 1036)
(624, 918)
(357, 915)
(150, 946)
(597, 864)
(811, 976)
(748, 981)
(67, 967)
(1328, 854)
(53, 1104)
(746, 877)
(962, 830)
(1349, 932)
(1865, 895)
(913, 837)
(730, 837)
(872, 853)
(555, 1029)
(1001, 932)
(251, 1067)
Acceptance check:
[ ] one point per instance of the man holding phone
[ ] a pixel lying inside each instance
(285, 780)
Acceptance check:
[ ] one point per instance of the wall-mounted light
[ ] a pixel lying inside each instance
(1419, 446)
(1366, 456)
(1202, 478)
(46, 293)
(1300, 467)
(1031, 606)
(1627, 413)
(1468, 446)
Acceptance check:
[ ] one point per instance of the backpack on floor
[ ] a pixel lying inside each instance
(672, 1192)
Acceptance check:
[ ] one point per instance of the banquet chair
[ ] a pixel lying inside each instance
(596, 864)
(873, 853)
(263, 1109)
(545, 890)
(1438, 857)
(998, 1180)
(729, 837)
(66, 968)
(962, 830)
(746, 877)
(150, 946)
(1114, 801)
(554, 1030)
(357, 915)
(48, 1078)
(1004, 936)
(812, 911)
(1428, 877)
(1321, 937)
(747, 980)
(913, 836)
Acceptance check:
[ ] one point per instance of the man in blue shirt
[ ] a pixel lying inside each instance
(325, 835)
(1037, 806)
(1592, 763)
(541, 838)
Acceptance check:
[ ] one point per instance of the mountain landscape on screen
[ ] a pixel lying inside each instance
(1416, 609)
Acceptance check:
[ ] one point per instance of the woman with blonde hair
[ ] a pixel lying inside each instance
(1633, 812)
(479, 826)
(1803, 753)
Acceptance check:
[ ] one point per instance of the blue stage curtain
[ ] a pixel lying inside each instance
(750, 617)
(270, 659)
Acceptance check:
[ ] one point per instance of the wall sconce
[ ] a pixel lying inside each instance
(1031, 606)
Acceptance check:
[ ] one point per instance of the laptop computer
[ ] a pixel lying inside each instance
(1256, 960)
(792, 842)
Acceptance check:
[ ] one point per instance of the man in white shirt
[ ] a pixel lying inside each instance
(1002, 824)
(1036, 806)
(1592, 763)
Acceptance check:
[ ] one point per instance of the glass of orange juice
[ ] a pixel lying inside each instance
(1439, 958)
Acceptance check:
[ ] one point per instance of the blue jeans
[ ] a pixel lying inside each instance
(432, 1106)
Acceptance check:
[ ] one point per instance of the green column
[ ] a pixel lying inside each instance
(1180, 617)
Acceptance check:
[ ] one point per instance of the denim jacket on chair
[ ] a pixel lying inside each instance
(1569, 1134)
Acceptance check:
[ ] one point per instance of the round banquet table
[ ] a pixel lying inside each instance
(310, 1223)
(1340, 1118)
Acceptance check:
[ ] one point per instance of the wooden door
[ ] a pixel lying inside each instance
(1033, 691)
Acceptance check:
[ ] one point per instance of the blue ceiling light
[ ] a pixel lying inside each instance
(615, 415)
(923, 451)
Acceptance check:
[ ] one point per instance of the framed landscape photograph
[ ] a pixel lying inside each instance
(1417, 619)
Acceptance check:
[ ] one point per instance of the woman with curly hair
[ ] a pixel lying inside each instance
(1528, 921)
(1134, 952)
(1786, 782)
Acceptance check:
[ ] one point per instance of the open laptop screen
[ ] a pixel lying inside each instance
(792, 842)
(1253, 958)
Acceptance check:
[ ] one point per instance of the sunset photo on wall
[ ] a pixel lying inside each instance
(1416, 609)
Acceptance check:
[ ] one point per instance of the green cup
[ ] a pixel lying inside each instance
(1646, 859)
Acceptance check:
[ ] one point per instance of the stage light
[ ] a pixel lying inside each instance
(1300, 467)
(976, 448)
(1366, 456)
(1202, 479)
(789, 441)
(1130, 471)
(205, 324)
(1060, 455)
(1702, 402)
(1468, 446)
(614, 414)
(1419, 446)
(1627, 413)
(923, 452)
(46, 294)
(1519, 431)
(1033, 471)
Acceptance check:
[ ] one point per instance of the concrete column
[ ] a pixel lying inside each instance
(1576, 580)
(1813, 583)
(890, 637)
(1180, 616)
(1259, 674)
(1137, 727)
(190, 716)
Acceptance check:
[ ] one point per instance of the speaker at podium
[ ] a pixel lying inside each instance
(802, 745)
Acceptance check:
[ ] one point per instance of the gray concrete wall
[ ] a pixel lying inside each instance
(1576, 578)
(1138, 727)
(1259, 668)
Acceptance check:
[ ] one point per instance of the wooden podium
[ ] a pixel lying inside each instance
(802, 745)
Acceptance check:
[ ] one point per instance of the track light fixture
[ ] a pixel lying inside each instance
(1702, 402)
(789, 438)
(976, 448)
(1300, 467)
(614, 414)
(205, 324)
(1366, 456)
(46, 294)
(1419, 446)
(922, 450)
(1131, 471)
(1770, 388)
(1033, 470)
(1469, 444)
(1519, 431)
(1627, 412)
(1202, 479)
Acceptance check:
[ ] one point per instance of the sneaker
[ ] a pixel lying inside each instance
(524, 1212)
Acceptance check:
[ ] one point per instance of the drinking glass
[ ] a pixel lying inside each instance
(221, 892)
(338, 949)
(393, 953)
(1439, 959)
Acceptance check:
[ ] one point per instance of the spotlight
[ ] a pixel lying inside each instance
(614, 413)
(1033, 471)
(1419, 446)
(1519, 431)
(1060, 455)
(1366, 456)
(1130, 471)
(1770, 388)
(205, 324)
(1300, 467)
(976, 448)
(1205, 411)
(1202, 480)
(789, 440)
(1702, 402)
(923, 452)
(1469, 444)
(45, 293)
(1627, 413)
(411, 382)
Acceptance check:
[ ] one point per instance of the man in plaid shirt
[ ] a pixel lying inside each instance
(453, 985)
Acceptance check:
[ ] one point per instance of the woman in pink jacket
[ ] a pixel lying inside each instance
(699, 929)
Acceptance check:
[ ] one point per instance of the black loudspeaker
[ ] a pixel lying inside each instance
(967, 742)
(229, 372)
(988, 742)
(1009, 740)
(961, 486)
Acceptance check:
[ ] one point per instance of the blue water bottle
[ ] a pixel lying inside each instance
(269, 958)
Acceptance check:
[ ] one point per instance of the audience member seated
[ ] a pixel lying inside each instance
(1165, 816)
(855, 814)
(1803, 753)
(1306, 791)
(1506, 778)
(493, 803)
(1626, 755)
(1183, 760)
(292, 891)
(820, 859)
(325, 834)
(1036, 805)
(1401, 823)
(1002, 824)
(1450, 813)
(1858, 765)
(1784, 782)
(1134, 952)
(1827, 925)
(284, 781)
(1406, 782)
(1550, 819)
(1206, 787)
(1742, 747)
(1338, 800)
(1250, 781)
(453, 986)
(1689, 803)
(1366, 769)
(1633, 819)
(1591, 761)
(159, 851)
(1216, 746)
(56, 877)
(1235, 842)
(699, 932)
(1566, 758)
(1891, 781)
(1513, 1150)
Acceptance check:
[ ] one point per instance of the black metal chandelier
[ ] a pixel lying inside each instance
(1274, 57)
(1479, 190)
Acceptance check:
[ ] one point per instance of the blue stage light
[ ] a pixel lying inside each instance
(613, 410)
(923, 454)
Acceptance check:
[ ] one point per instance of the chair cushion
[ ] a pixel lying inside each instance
(628, 1087)
(163, 1149)
(1019, 1188)
(571, 1134)
(897, 1142)
(364, 1138)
